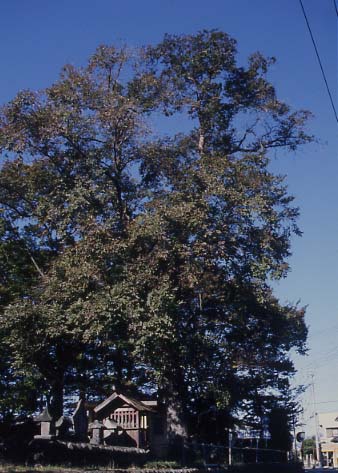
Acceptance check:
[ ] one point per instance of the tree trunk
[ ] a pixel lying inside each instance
(172, 399)
(56, 401)
(176, 425)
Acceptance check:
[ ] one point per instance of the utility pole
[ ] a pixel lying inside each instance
(315, 413)
(295, 452)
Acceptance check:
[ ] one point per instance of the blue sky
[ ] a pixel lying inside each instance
(38, 36)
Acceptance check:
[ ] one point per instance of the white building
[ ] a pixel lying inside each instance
(328, 436)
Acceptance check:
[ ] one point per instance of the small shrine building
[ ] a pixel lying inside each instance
(138, 421)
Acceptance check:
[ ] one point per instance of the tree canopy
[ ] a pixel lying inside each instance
(142, 258)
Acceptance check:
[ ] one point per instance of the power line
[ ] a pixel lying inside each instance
(319, 60)
(321, 359)
(326, 402)
(335, 6)
(323, 331)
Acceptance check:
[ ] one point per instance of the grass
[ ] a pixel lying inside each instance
(151, 465)
(34, 469)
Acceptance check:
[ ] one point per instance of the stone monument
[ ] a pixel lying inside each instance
(62, 426)
(47, 425)
(80, 421)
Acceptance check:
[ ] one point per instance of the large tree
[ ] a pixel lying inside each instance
(219, 224)
(67, 192)
(151, 254)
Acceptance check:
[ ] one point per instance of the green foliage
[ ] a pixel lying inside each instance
(309, 446)
(160, 465)
(280, 426)
(136, 259)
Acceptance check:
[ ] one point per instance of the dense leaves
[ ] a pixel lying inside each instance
(137, 258)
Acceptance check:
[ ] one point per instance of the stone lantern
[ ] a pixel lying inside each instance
(47, 425)
(96, 428)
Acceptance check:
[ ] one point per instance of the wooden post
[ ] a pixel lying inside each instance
(230, 446)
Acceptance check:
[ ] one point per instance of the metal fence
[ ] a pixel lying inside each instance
(214, 455)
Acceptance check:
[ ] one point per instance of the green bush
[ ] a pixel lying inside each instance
(161, 464)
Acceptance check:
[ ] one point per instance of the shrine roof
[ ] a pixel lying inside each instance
(138, 405)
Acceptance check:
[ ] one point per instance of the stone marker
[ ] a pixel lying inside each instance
(47, 425)
(62, 426)
(97, 432)
(80, 421)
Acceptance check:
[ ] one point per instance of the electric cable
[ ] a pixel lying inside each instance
(323, 331)
(320, 360)
(335, 6)
(326, 402)
(319, 60)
